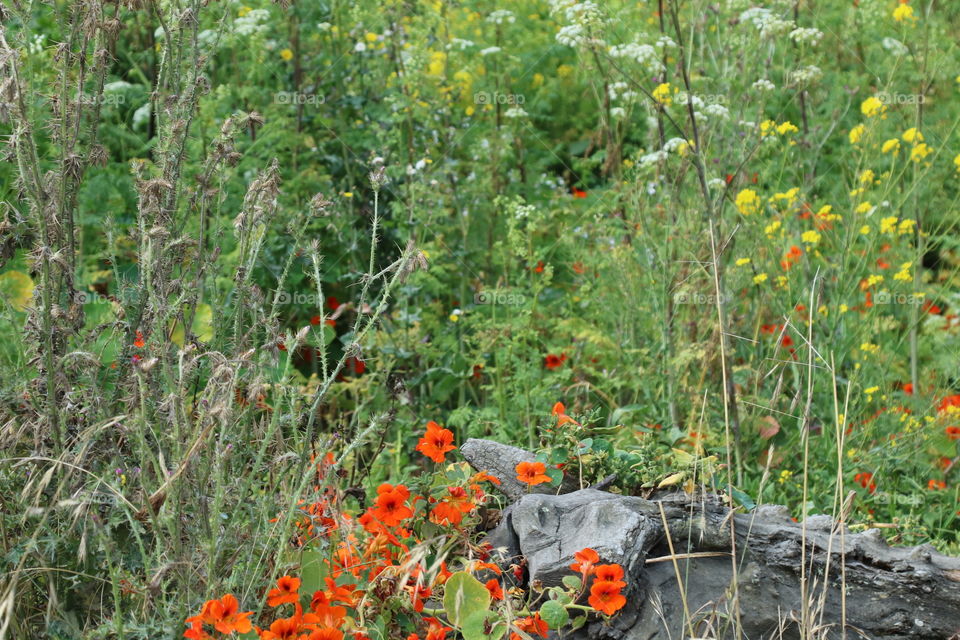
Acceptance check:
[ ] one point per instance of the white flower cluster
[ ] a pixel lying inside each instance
(643, 54)
(717, 183)
(501, 16)
(764, 85)
(490, 51)
(461, 44)
(571, 35)
(36, 45)
(618, 112)
(675, 145)
(515, 112)
(806, 75)
(716, 112)
(651, 159)
(254, 21)
(766, 22)
(621, 90)
(806, 35)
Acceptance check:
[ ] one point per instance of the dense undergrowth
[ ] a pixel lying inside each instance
(248, 251)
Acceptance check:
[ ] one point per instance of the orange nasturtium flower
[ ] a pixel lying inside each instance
(608, 573)
(532, 473)
(562, 418)
(139, 341)
(391, 507)
(493, 586)
(532, 625)
(585, 561)
(223, 615)
(286, 591)
(606, 598)
(436, 442)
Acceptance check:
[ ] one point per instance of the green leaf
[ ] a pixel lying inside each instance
(572, 582)
(554, 614)
(743, 498)
(578, 622)
(463, 595)
(483, 625)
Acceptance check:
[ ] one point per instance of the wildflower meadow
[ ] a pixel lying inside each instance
(266, 267)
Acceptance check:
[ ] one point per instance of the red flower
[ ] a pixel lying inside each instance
(286, 591)
(391, 507)
(578, 193)
(606, 598)
(436, 442)
(609, 573)
(953, 433)
(539, 267)
(577, 268)
(908, 388)
(223, 614)
(585, 561)
(436, 630)
(865, 480)
(936, 485)
(532, 473)
(554, 362)
(948, 402)
(493, 586)
(532, 624)
(139, 341)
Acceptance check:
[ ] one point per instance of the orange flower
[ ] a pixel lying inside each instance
(609, 573)
(585, 560)
(578, 268)
(325, 611)
(451, 509)
(953, 433)
(139, 341)
(436, 630)
(562, 418)
(532, 624)
(935, 485)
(948, 402)
(436, 442)
(286, 591)
(223, 614)
(326, 633)
(606, 598)
(554, 362)
(493, 586)
(578, 193)
(532, 473)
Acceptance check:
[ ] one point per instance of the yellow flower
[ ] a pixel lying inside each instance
(244, 11)
(760, 277)
(537, 80)
(771, 228)
(856, 133)
(891, 145)
(437, 64)
(863, 207)
(844, 308)
(865, 230)
(889, 224)
(903, 275)
(286, 54)
(869, 347)
(912, 135)
(920, 152)
(784, 476)
(905, 226)
(903, 12)
(956, 161)
(810, 237)
(867, 176)
(871, 390)
(347, 194)
(790, 196)
(742, 261)
(469, 110)
(661, 93)
(822, 310)
(564, 70)
(767, 127)
(748, 202)
(371, 37)
(874, 279)
(872, 106)
(786, 128)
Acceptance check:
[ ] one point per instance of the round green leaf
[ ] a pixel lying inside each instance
(554, 614)
(463, 595)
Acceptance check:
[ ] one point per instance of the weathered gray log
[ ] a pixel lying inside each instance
(890, 593)
(501, 460)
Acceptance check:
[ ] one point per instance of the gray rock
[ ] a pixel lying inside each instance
(737, 571)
